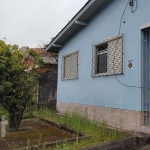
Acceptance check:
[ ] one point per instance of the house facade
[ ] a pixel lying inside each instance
(103, 68)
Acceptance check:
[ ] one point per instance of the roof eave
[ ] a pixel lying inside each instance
(80, 20)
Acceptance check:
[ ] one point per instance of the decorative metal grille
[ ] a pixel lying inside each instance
(108, 57)
(70, 66)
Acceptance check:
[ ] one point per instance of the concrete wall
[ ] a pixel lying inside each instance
(106, 91)
(118, 118)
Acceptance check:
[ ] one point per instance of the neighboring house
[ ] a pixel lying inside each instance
(96, 64)
(48, 79)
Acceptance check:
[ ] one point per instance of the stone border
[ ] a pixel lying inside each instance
(123, 144)
(132, 142)
(61, 127)
(64, 128)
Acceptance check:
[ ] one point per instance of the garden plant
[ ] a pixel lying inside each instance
(17, 85)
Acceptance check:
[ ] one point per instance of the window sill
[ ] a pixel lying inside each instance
(105, 74)
(69, 79)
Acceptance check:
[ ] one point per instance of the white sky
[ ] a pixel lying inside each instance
(27, 22)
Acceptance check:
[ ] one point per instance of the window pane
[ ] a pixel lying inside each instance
(102, 47)
(102, 63)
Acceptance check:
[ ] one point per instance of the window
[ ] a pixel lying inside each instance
(101, 58)
(108, 57)
(70, 66)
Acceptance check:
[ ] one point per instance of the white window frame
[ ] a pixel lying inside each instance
(94, 61)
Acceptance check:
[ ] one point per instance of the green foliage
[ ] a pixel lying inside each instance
(17, 86)
(99, 131)
(3, 112)
(35, 56)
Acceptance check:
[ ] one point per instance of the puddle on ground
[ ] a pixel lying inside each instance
(32, 132)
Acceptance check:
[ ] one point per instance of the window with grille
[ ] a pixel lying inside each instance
(70, 66)
(108, 57)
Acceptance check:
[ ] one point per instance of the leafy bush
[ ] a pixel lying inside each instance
(17, 85)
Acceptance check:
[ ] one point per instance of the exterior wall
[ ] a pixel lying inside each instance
(117, 118)
(105, 91)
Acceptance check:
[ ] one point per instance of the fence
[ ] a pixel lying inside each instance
(48, 88)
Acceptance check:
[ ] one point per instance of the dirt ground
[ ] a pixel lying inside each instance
(32, 132)
(147, 147)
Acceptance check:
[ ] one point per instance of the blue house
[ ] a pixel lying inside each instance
(104, 63)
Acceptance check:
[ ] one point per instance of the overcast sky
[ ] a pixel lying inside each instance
(27, 22)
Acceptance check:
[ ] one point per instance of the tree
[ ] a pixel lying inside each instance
(44, 45)
(17, 86)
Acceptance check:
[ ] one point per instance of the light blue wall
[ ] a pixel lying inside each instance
(106, 91)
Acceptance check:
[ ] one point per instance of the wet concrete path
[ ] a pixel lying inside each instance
(32, 132)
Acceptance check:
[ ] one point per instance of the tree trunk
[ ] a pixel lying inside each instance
(15, 119)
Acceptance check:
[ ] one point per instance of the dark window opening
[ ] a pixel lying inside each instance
(102, 47)
(102, 63)
(102, 58)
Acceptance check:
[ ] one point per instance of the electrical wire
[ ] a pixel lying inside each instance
(130, 86)
(135, 7)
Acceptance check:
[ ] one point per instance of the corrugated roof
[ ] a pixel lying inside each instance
(80, 20)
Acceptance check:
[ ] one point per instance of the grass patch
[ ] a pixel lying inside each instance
(3, 112)
(99, 131)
